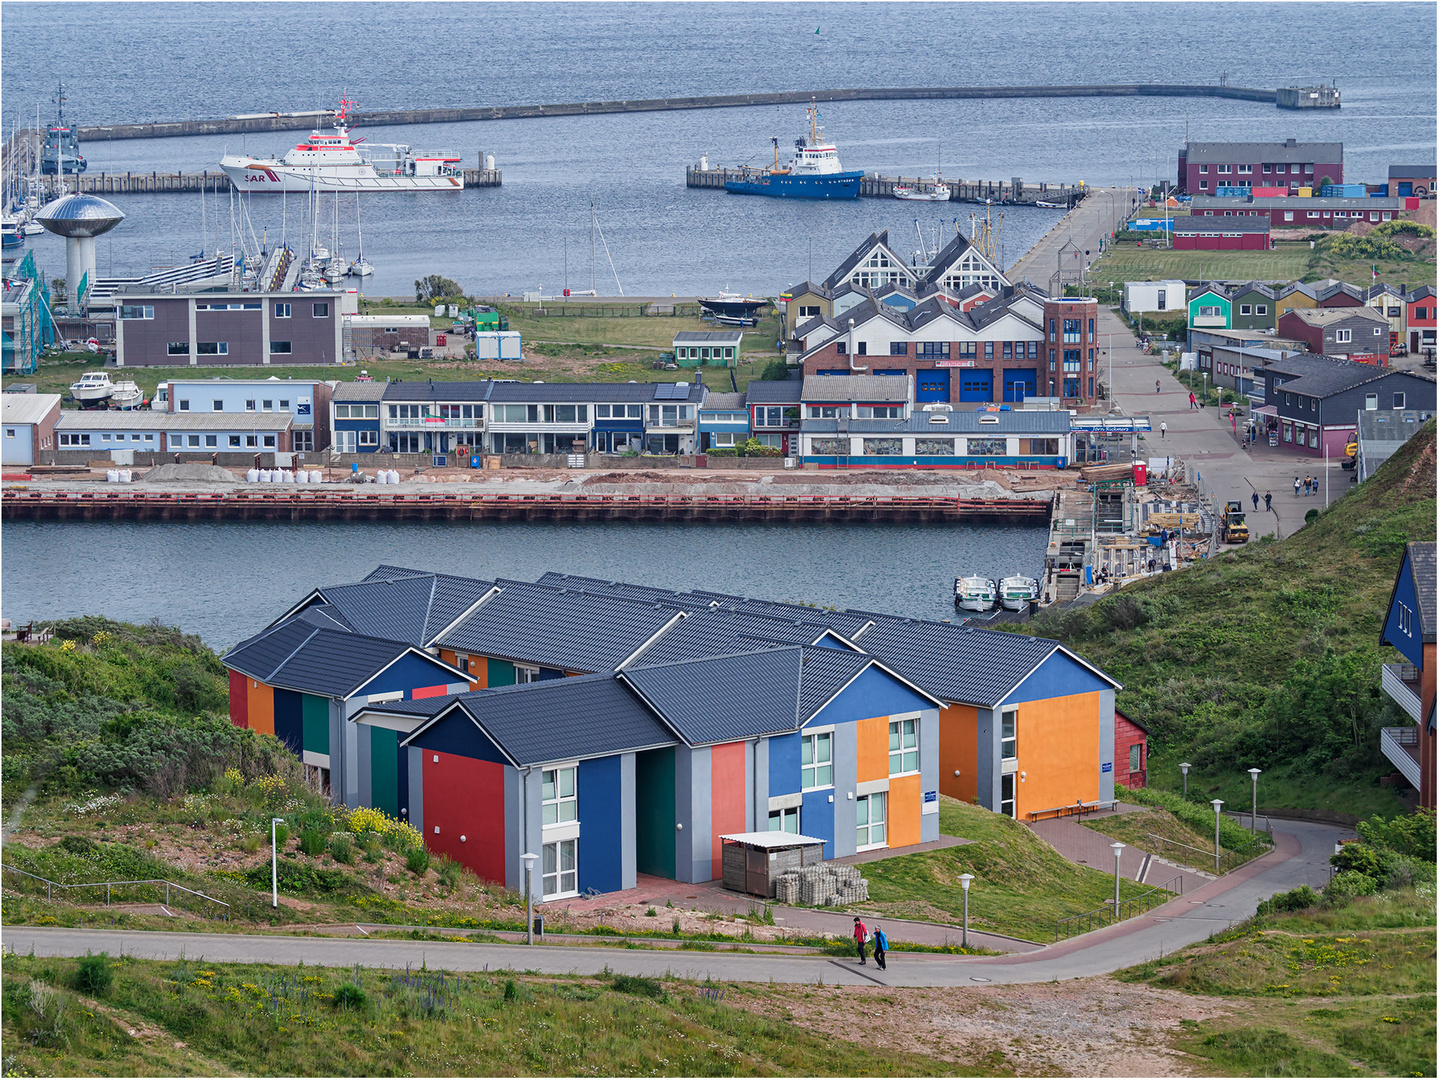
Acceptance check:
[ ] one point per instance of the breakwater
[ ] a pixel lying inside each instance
(236, 125)
(349, 506)
(1014, 191)
(130, 183)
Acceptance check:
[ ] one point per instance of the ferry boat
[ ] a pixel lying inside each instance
(938, 191)
(814, 172)
(1015, 593)
(974, 593)
(333, 161)
(60, 152)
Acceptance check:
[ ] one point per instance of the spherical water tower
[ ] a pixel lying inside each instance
(79, 219)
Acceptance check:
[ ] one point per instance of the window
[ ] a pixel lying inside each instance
(903, 747)
(269, 442)
(404, 442)
(809, 312)
(883, 447)
(1261, 309)
(816, 768)
(282, 311)
(252, 442)
(1245, 309)
(722, 439)
(1406, 621)
(1378, 331)
(934, 447)
(1246, 170)
(235, 441)
(1393, 312)
(559, 877)
(268, 405)
(525, 674)
(1204, 168)
(250, 405)
(280, 348)
(322, 311)
(1008, 735)
(217, 405)
(1311, 214)
(557, 795)
(177, 348)
(136, 311)
(369, 438)
(989, 350)
(898, 348)
(195, 441)
(303, 440)
(1399, 400)
(879, 412)
(1072, 328)
(74, 440)
(213, 348)
(1163, 295)
(841, 348)
(928, 350)
(1342, 337)
(1203, 184)
(284, 405)
(184, 404)
(869, 820)
(1224, 169)
(1006, 794)
(212, 440)
(864, 348)
(1371, 402)
(1034, 350)
(786, 820)
(823, 412)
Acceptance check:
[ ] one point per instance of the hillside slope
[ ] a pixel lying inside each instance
(1269, 656)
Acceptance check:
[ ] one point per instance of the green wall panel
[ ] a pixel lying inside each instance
(500, 673)
(316, 718)
(655, 812)
(384, 775)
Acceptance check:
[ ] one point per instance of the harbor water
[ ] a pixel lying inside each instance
(226, 581)
(176, 61)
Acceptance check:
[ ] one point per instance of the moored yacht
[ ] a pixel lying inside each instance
(974, 593)
(1015, 593)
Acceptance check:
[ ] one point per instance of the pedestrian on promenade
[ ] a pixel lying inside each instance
(1163, 429)
(859, 936)
(1156, 386)
(1296, 487)
(1255, 497)
(881, 946)
(1193, 401)
(1268, 498)
(1233, 423)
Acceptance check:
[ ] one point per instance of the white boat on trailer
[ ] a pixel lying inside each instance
(94, 390)
(974, 593)
(1016, 593)
(126, 394)
(332, 161)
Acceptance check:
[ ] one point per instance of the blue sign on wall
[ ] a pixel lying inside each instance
(931, 796)
(1108, 766)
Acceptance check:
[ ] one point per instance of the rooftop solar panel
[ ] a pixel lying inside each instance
(671, 392)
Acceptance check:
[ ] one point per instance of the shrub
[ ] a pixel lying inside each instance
(79, 845)
(1403, 871)
(638, 985)
(417, 860)
(350, 996)
(1294, 900)
(1345, 886)
(281, 834)
(94, 974)
(313, 842)
(448, 871)
(777, 370)
(1411, 834)
(1360, 858)
(341, 847)
(512, 992)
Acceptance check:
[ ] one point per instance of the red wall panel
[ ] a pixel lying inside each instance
(429, 691)
(239, 705)
(465, 797)
(727, 797)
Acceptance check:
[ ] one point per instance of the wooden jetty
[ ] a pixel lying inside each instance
(1014, 191)
(341, 505)
(130, 183)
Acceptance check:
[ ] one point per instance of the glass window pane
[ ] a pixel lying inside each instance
(822, 748)
(551, 858)
(551, 813)
(861, 811)
(876, 833)
(806, 756)
(823, 776)
(567, 855)
(894, 736)
(567, 783)
(567, 810)
(547, 784)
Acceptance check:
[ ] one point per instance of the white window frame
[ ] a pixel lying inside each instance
(1009, 716)
(904, 745)
(370, 437)
(782, 819)
(282, 311)
(558, 809)
(872, 833)
(1406, 620)
(524, 673)
(560, 882)
(811, 742)
(1343, 337)
(1007, 806)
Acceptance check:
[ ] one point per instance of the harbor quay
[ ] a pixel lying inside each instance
(1013, 191)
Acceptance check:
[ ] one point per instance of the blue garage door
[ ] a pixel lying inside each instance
(931, 386)
(1406, 188)
(976, 386)
(1019, 383)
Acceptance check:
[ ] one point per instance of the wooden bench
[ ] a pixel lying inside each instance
(1072, 809)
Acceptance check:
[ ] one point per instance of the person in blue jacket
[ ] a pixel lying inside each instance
(881, 946)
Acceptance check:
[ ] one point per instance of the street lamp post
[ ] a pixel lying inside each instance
(1184, 768)
(1216, 803)
(529, 858)
(1116, 847)
(1254, 799)
(274, 864)
(964, 880)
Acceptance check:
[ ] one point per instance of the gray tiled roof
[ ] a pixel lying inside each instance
(400, 604)
(144, 420)
(1421, 563)
(1247, 224)
(314, 660)
(724, 402)
(709, 337)
(557, 720)
(556, 628)
(825, 673)
(430, 390)
(1408, 172)
(718, 632)
(774, 391)
(358, 391)
(1327, 153)
(856, 388)
(724, 698)
(977, 667)
(842, 271)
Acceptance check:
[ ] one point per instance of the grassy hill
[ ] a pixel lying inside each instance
(1269, 656)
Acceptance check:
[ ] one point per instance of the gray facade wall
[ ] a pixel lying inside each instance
(1344, 408)
(928, 773)
(987, 758)
(528, 792)
(363, 765)
(514, 806)
(628, 849)
(415, 812)
(693, 843)
(759, 784)
(1106, 745)
(350, 743)
(846, 768)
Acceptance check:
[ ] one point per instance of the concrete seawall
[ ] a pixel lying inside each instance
(396, 117)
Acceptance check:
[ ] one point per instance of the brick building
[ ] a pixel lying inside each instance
(1205, 167)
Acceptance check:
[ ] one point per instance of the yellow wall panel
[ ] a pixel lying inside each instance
(871, 749)
(261, 700)
(1058, 752)
(903, 810)
(958, 747)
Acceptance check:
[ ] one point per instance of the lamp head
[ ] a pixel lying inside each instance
(1255, 773)
(1184, 767)
(1116, 847)
(529, 858)
(1217, 803)
(965, 879)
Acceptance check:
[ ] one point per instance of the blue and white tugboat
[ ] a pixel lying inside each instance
(813, 173)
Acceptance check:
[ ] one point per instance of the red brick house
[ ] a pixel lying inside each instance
(1421, 318)
(1206, 167)
(1131, 752)
(1221, 234)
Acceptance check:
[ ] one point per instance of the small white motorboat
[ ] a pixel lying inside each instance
(127, 395)
(974, 593)
(93, 390)
(1015, 593)
(938, 191)
(1050, 205)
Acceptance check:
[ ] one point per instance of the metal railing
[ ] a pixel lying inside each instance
(1128, 909)
(1229, 860)
(171, 888)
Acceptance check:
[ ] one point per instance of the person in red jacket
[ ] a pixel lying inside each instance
(860, 933)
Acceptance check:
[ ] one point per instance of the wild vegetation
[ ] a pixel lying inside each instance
(1268, 656)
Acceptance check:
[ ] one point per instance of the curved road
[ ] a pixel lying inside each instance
(1301, 856)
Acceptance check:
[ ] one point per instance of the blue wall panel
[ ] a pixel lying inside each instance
(1411, 644)
(783, 766)
(872, 693)
(549, 673)
(1058, 676)
(1020, 383)
(457, 734)
(407, 673)
(290, 719)
(816, 818)
(601, 808)
(976, 385)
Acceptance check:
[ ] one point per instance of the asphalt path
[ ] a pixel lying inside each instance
(1300, 856)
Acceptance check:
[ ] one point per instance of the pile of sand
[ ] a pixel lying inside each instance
(189, 473)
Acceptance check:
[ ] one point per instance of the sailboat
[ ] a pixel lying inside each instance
(361, 267)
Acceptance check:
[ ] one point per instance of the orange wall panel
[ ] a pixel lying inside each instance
(478, 672)
(1058, 752)
(903, 811)
(261, 700)
(958, 750)
(871, 739)
(727, 797)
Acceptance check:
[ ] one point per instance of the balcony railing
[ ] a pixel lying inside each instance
(1401, 746)
(434, 423)
(1401, 683)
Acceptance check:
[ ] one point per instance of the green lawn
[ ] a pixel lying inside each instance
(1288, 261)
(189, 1017)
(1022, 884)
(1346, 992)
(1137, 830)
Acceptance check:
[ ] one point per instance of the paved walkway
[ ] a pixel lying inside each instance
(1088, 847)
(1300, 857)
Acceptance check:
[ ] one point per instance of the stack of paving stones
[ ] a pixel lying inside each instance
(830, 885)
